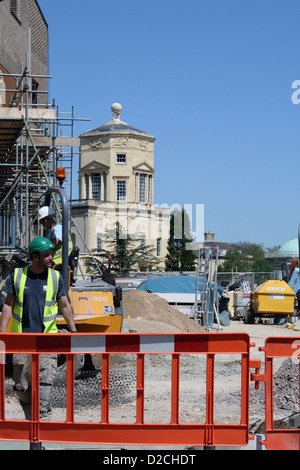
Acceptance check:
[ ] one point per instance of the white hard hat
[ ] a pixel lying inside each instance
(46, 211)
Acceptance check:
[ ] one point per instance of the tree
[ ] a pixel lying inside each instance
(273, 249)
(257, 254)
(235, 261)
(179, 258)
(122, 251)
(245, 256)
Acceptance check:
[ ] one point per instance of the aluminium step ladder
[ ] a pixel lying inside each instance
(206, 306)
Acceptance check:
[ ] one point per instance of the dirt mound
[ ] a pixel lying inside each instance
(144, 307)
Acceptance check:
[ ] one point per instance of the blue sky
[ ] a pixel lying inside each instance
(211, 80)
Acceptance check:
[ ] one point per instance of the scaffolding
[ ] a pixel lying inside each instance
(33, 146)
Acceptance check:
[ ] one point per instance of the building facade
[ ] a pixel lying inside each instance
(116, 185)
(23, 45)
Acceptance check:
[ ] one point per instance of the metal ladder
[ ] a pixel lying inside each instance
(206, 306)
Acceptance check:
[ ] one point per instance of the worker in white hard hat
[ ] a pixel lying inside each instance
(47, 218)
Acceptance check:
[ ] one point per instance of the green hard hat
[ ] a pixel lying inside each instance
(39, 244)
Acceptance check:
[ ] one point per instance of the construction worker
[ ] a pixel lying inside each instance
(47, 218)
(33, 296)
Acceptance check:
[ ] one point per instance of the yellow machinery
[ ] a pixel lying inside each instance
(94, 311)
(271, 299)
(95, 308)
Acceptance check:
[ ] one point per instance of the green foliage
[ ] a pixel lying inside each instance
(236, 261)
(245, 257)
(122, 251)
(179, 258)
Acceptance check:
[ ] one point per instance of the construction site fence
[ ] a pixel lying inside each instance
(208, 432)
(252, 278)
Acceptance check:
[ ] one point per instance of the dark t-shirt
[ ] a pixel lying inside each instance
(34, 299)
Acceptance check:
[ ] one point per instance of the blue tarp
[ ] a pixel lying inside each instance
(175, 285)
(170, 284)
(186, 285)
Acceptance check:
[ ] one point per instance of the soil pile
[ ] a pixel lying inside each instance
(147, 312)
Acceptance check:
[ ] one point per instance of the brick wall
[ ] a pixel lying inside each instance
(14, 40)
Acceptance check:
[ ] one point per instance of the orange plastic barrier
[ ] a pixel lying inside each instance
(137, 433)
(277, 347)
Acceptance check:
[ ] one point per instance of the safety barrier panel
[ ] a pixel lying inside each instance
(138, 433)
(277, 347)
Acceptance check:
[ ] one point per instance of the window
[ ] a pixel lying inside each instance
(34, 87)
(158, 247)
(143, 188)
(121, 158)
(96, 186)
(14, 4)
(87, 186)
(99, 242)
(104, 186)
(143, 244)
(121, 191)
(149, 189)
(136, 187)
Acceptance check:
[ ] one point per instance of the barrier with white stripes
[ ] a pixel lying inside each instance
(139, 432)
(126, 343)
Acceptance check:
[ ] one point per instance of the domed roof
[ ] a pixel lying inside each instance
(116, 125)
(290, 248)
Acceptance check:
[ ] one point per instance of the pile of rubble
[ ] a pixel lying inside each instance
(147, 312)
(285, 399)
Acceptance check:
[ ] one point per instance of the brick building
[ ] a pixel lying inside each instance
(23, 44)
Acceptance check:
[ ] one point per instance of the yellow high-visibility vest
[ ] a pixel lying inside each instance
(57, 252)
(50, 307)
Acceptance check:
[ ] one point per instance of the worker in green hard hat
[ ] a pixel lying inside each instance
(40, 245)
(34, 295)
